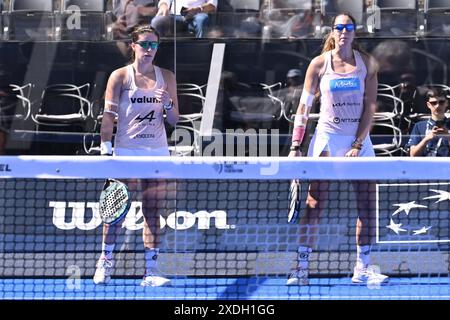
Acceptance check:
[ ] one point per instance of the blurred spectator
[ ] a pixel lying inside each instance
(395, 60)
(293, 90)
(190, 15)
(286, 19)
(250, 27)
(431, 137)
(130, 13)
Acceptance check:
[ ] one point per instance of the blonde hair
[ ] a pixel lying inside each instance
(329, 40)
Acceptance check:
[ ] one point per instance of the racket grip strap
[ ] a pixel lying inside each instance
(106, 148)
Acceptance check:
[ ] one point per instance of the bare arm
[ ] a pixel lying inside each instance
(112, 96)
(309, 89)
(369, 105)
(172, 114)
(370, 100)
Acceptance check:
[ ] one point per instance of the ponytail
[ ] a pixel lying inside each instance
(328, 43)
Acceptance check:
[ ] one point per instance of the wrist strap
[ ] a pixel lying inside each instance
(168, 106)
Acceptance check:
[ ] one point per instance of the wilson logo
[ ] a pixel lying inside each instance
(86, 216)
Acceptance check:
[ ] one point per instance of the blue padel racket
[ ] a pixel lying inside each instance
(115, 201)
(294, 201)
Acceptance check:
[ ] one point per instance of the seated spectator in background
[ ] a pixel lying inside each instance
(286, 19)
(130, 13)
(395, 60)
(431, 137)
(293, 90)
(190, 15)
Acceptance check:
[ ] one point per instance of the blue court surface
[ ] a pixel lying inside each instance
(252, 288)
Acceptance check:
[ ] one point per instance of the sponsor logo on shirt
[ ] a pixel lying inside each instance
(144, 99)
(345, 120)
(345, 84)
(343, 104)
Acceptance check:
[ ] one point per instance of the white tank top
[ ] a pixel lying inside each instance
(342, 97)
(140, 117)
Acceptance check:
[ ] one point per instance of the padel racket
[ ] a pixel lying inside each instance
(294, 201)
(115, 201)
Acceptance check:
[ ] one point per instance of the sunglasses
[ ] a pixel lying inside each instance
(349, 27)
(148, 44)
(435, 103)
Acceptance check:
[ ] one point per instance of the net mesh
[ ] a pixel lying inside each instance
(222, 227)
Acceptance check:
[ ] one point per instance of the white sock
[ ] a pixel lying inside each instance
(303, 257)
(151, 256)
(107, 251)
(363, 256)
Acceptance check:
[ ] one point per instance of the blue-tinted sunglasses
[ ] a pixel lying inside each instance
(148, 44)
(349, 27)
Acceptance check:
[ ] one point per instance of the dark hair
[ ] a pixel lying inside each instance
(329, 40)
(141, 29)
(436, 92)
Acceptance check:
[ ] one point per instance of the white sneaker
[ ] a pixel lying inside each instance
(154, 279)
(103, 272)
(368, 275)
(298, 278)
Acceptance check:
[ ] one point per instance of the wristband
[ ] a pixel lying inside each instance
(294, 148)
(106, 148)
(357, 145)
(168, 106)
(298, 134)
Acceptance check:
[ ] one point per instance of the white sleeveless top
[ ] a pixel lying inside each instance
(342, 97)
(140, 117)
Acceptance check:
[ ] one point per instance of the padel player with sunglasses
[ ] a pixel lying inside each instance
(431, 138)
(138, 95)
(345, 78)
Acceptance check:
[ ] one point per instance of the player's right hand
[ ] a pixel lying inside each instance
(296, 153)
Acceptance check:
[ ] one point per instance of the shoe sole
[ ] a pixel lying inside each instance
(298, 283)
(165, 284)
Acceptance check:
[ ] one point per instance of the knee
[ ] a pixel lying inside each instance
(201, 19)
(159, 21)
(311, 202)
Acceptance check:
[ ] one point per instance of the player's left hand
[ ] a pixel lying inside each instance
(162, 95)
(352, 153)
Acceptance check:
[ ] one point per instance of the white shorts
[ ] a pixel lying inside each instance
(337, 145)
(161, 152)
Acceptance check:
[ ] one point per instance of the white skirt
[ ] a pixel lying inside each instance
(337, 145)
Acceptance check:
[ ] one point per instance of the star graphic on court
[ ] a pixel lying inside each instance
(421, 230)
(395, 227)
(442, 196)
(407, 207)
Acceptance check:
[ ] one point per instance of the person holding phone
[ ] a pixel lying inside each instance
(430, 138)
(188, 14)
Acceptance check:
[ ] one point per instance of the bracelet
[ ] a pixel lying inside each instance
(357, 145)
(295, 148)
(168, 106)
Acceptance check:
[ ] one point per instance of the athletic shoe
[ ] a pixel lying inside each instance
(154, 279)
(103, 272)
(368, 275)
(298, 278)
